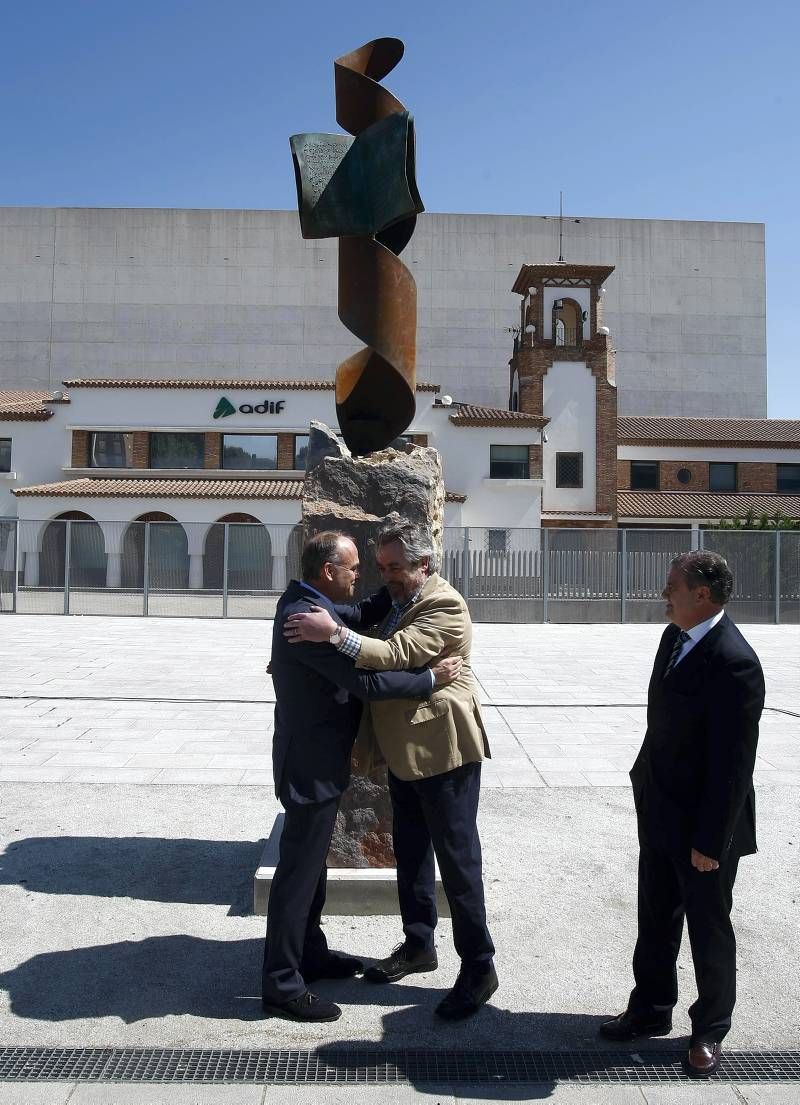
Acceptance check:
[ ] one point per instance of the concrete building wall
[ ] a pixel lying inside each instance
(146, 292)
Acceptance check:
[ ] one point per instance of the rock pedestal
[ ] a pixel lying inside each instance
(360, 495)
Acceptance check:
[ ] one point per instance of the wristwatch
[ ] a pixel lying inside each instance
(336, 636)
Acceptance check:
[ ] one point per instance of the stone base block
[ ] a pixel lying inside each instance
(352, 891)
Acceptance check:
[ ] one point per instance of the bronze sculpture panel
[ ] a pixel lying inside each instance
(362, 189)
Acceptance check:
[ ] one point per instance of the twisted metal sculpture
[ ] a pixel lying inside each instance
(362, 190)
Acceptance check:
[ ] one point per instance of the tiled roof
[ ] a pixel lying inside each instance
(467, 415)
(777, 433)
(219, 385)
(532, 274)
(703, 505)
(148, 488)
(24, 406)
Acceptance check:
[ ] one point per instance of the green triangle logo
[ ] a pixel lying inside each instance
(224, 408)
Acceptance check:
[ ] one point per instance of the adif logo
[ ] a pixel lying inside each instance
(268, 406)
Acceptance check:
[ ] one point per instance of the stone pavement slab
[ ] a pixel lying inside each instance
(545, 729)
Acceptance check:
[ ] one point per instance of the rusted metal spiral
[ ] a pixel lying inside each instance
(363, 191)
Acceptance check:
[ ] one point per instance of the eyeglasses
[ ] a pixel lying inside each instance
(355, 570)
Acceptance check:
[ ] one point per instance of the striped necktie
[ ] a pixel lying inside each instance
(680, 641)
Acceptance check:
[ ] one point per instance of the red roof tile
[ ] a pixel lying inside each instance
(468, 415)
(776, 433)
(703, 506)
(149, 488)
(218, 384)
(24, 406)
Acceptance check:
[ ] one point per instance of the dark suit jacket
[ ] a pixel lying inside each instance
(693, 777)
(318, 695)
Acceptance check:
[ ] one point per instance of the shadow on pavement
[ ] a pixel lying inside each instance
(139, 979)
(155, 869)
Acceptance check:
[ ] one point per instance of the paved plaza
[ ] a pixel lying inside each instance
(136, 795)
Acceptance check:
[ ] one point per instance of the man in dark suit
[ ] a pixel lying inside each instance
(318, 694)
(695, 807)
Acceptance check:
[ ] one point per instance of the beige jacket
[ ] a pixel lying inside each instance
(420, 739)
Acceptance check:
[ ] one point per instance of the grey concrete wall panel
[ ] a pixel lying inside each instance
(91, 292)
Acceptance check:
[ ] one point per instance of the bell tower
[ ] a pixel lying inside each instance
(563, 369)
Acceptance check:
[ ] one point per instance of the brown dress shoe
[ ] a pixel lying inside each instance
(703, 1059)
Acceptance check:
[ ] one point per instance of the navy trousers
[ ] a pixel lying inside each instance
(294, 938)
(437, 816)
(670, 889)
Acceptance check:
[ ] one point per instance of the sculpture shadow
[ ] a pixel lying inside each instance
(155, 869)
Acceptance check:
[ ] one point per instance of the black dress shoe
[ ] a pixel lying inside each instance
(333, 965)
(308, 1007)
(629, 1026)
(404, 960)
(470, 992)
(703, 1059)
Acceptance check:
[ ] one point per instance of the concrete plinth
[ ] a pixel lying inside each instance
(352, 891)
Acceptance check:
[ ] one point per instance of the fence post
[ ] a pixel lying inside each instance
(465, 566)
(623, 575)
(146, 571)
(225, 570)
(15, 587)
(777, 577)
(701, 539)
(67, 559)
(545, 574)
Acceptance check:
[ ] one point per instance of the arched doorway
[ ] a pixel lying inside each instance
(249, 554)
(567, 322)
(294, 549)
(87, 553)
(169, 553)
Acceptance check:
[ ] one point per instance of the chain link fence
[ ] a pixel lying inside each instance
(239, 569)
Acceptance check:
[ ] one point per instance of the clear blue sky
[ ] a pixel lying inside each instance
(680, 110)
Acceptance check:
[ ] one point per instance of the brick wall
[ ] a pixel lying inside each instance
(668, 475)
(285, 452)
(212, 457)
(141, 449)
(756, 476)
(80, 448)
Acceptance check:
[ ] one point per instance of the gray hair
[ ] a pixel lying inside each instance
(706, 569)
(415, 541)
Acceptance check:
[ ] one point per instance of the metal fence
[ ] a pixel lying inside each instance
(238, 570)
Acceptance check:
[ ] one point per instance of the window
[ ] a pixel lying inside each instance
(248, 451)
(300, 450)
(569, 469)
(644, 475)
(722, 477)
(684, 475)
(110, 449)
(788, 475)
(5, 454)
(177, 450)
(497, 540)
(509, 462)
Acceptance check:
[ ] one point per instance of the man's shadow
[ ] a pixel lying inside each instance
(140, 979)
(154, 869)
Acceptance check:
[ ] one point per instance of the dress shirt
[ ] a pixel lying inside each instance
(696, 634)
(350, 641)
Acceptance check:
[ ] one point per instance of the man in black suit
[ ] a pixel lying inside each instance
(318, 693)
(695, 807)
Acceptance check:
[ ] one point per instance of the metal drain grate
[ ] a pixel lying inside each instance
(338, 1065)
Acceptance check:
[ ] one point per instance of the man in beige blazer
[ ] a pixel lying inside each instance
(433, 750)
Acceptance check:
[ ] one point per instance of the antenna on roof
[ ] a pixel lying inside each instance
(561, 226)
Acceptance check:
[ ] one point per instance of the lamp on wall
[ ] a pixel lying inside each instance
(530, 328)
